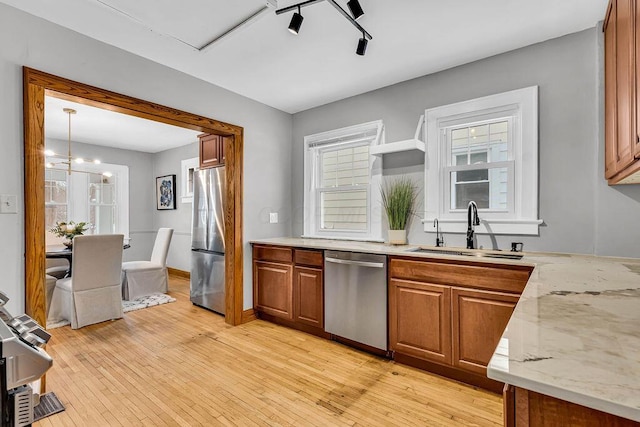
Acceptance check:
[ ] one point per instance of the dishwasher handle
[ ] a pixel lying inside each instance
(357, 263)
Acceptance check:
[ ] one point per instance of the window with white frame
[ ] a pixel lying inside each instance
(103, 203)
(342, 181)
(484, 150)
(89, 195)
(55, 197)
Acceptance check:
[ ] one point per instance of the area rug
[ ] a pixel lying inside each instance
(145, 302)
(49, 405)
(127, 306)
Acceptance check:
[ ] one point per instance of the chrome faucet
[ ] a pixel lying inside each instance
(472, 220)
(439, 236)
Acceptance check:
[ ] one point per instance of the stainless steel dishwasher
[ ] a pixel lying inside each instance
(355, 297)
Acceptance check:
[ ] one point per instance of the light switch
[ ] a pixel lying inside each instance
(273, 217)
(8, 204)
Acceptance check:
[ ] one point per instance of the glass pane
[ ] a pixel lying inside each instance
(53, 214)
(344, 210)
(487, 187)
(476, 158)
(94, 193)
(345, 167)
(108, 194)
(102, 218)
(478, 192)
(473, 175)
(59, 192)
(481, 143)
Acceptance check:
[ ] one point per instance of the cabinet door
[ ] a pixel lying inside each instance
(210, 150)
(420, 320)
(625, 81)
(479, 320)
(610, 93)
(272, 288)
(308, 297)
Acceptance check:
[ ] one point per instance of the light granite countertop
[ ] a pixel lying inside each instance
(574, 334)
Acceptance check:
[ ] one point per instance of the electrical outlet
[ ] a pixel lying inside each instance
(273, 217)
(8, 204)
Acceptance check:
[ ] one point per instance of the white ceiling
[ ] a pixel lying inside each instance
(96, 126)
(263, 61)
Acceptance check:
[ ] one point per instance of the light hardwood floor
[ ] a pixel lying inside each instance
(178, 364)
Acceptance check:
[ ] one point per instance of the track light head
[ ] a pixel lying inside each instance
(296, 22)
(355, 8)
(362, 46)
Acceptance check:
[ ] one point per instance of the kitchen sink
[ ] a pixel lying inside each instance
(467, 252)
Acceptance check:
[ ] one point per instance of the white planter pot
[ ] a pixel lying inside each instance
(398, 237)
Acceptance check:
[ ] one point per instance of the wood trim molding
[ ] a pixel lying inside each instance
(179, 273)
(249, 315)
(36, 84)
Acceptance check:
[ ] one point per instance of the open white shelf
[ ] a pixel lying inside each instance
(399, 146)
(396, 147)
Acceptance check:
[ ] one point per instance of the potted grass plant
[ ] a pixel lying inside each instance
(399, 200)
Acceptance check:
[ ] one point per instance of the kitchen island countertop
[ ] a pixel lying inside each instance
(574, 334)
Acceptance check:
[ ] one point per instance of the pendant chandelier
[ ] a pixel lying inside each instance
(58, 160)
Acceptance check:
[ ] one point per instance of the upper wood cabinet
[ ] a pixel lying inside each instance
(211, 150)
(622, 92)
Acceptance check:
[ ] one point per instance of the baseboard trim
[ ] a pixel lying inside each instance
(248, 316)
(179, 273)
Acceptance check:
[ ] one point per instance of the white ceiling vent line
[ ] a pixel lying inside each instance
(139, 22)
(270, 4)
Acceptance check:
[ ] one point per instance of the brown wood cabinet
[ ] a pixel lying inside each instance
(308, 296)
(274, 294)
(479, 319)
(447, 313)
(211, 150)
(288, 286)
(622, 92)
(524, 408)
(420, 319)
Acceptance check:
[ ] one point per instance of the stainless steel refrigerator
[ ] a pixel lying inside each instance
(207, 239)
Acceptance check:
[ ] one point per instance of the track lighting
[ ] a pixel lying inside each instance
(296, 22)
(354, 7)
(362, 46)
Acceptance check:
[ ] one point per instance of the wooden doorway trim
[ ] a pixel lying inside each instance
(36, 85)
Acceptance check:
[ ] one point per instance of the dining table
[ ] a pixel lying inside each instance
(64, 252)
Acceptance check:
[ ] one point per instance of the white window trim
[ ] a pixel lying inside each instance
(311, 211)
(186, 166)
(525, 127)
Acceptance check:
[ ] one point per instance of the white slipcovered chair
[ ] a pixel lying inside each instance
(142, 278)
(92, 294)
(50, 284)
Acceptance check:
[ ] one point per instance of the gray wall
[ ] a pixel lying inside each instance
(27, 40)
(581, 213)
(169, 163)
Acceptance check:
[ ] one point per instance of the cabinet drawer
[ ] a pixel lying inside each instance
(272, 253)
(484, 276)
(306, 257)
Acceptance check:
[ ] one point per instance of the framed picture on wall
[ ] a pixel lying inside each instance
(166, 192)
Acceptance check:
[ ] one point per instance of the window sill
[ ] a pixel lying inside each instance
(490, 226)
(353, 239)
